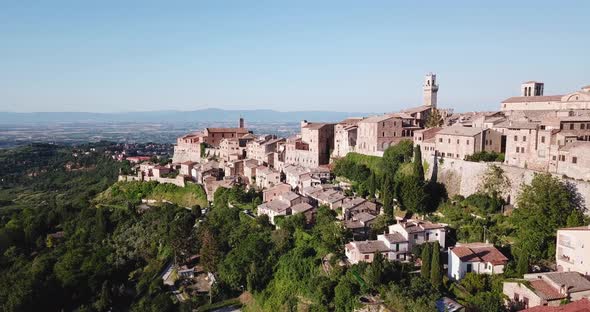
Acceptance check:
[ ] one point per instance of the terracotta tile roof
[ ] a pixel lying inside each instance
(277, 205)
(416, 226)
(461, 131)
(301, 207)
(353, 203)
(378, 118)
(395, 237)
(582, 305)
(479, 253)
(350, 121)
(418, 109)
(364, 217)
(545, 291)
(524, 99)
(574, 281)
(353, 224)
(236, 130)
(317, 125)
(569, 146)
(512, 124)
(191, 135)
(371, 246)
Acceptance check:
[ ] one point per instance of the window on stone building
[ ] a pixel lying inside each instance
(571, 126)
(561, 157)
(440, 140)
(553, 158)
(457, 141)
(515, 138)
(582, 126)
(517, 149)
(468, 141)
(523, 138)
(574, 160)
(542, 139)
(449, 141)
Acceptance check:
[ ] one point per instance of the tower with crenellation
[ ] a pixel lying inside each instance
(430, 90)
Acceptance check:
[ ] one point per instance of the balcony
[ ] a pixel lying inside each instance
(565, 242)
(566, 258)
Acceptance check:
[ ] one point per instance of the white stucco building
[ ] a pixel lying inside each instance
(393, 247)
(571, 252)
(418, 232)
(479, 258)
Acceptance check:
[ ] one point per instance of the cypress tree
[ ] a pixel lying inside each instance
(372, 184)
(387, 195)
(426, 255)
(522, 267)
(418, 167)
(435, 267)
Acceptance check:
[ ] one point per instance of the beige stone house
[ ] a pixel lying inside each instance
(532, 98)
(275, 191)
(312, 148)
(267, 177)
(418, 231)
(546, 289)
(250, 166)
(375, 134)
(345, 136)
(458, 141)
(573, 160)
(393, 247)
(188, 147)
(281, 206)
(261, 148)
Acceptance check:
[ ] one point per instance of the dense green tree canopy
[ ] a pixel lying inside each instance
(543, 207)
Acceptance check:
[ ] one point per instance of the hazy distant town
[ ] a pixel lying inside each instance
(123, 132)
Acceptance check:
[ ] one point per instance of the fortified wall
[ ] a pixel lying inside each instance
(464, 177)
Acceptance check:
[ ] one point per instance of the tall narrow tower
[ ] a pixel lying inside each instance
(430, 90)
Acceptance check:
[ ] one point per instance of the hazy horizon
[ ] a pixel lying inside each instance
(112, 57)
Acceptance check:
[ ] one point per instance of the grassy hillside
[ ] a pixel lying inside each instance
(121, 193)
(372, 162)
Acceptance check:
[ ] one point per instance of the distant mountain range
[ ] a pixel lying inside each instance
(202, 115)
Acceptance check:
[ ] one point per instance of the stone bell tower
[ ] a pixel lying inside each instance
(430, 90)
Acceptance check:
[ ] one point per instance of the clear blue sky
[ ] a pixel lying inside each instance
(370, 56)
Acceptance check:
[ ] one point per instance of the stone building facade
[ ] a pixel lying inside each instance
(532, 98)
(457, 141)
(345, 136)
(188, 147)
(375, 134)
(312, 148)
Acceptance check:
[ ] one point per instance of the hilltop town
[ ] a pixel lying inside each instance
(386, 178)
